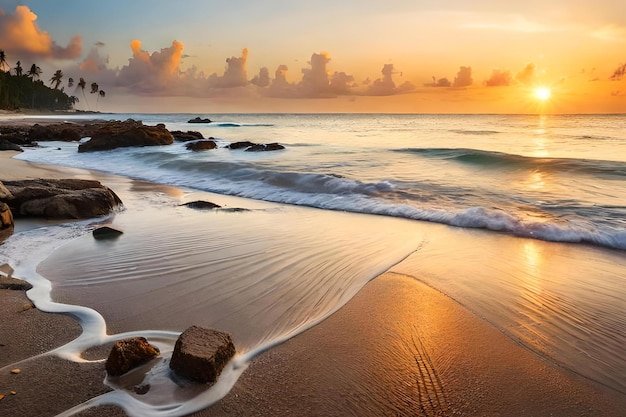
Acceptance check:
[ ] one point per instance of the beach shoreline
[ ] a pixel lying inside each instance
(397, 348)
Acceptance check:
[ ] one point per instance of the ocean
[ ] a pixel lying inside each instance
(520, 218)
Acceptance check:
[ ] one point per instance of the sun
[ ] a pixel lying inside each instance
(542, 93)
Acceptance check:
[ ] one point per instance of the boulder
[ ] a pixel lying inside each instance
(241, 145)
(127, 354)
(201, 145)
(6, 221)
(199, 120)
(62, 198)
(186, 136)
(201, 205)
(106, 232)
(201, 353)
(264, 148)
(125, 134)
(5, 194)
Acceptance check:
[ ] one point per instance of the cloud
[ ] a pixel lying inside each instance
(263, 79)
(463, 77)
(619, 73)
(499, 78)
(610, 33)
(385, 86)
(236, 74)
(94, 62)
(151, 72)
(20, 36)
(527, 75)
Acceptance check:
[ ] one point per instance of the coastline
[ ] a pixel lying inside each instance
(397, 348)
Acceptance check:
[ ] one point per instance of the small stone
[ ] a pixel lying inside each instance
(1, 397)
(13, 392)
(127, 354)
(106, 232)
(201, 205)
(15, 371)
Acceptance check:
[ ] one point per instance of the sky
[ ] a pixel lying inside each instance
(393, 56)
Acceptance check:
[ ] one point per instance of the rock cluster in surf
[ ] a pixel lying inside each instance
(127, 354)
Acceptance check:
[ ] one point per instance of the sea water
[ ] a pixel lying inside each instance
(530, 214)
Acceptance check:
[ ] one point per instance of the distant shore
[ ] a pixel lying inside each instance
(399, 348)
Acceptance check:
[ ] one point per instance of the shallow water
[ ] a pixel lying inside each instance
(275, 270)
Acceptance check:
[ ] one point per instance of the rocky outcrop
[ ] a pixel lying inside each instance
(201, 145)
(200, 354)
(264, 148)
(199, 120)
(240, 145)
(128, 354)
(63, 198)
(67, 132)
(255, 147)
(125, 134)
(6, 221)
(181, 136)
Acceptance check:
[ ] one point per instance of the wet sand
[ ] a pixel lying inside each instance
(398, 348)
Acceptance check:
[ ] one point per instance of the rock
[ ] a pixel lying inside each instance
(62, 198)
(106, 232)
(125, 134)
(186, 136)
(200, 354)
(264, 148)
(15, 371)
(6, 221)
(59, 131)
(240, 145)
(199, 204)
(201, 145)
(6, 145)
(199, 120)
(8, 283)
(128, 354)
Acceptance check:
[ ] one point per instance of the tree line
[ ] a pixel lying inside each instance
(20, 89)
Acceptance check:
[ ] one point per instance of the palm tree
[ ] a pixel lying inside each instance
(3, 60)
(18, 69)
(82, 84)
(94, 88)
(102, 93)
(34, 72)
(56, 79)
(70, 82)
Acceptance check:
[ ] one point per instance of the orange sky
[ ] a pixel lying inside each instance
(365, 56)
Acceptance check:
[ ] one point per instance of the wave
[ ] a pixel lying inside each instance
(233, 124)
(493, 159)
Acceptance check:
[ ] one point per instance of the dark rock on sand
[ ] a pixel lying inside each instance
(106, 232)
(202, 205)
(200, 354)
(264, 148)
(62, 198)
(128, 354)
(181, 136)
(199, 120)
(6, 221)
(8, 283)
(201, 145)
(7, 145)
(125, 134)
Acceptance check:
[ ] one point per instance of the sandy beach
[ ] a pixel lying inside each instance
(398, 348)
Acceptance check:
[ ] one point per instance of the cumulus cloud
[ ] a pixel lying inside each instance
(441, 82)
(94, 62)
(499, 78)
(385, 86)
(21, 36)
(263, 79)
(235, 75)
(149, 72)
(463, 77)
